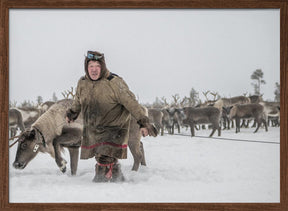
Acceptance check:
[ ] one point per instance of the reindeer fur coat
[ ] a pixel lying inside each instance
(106, 105)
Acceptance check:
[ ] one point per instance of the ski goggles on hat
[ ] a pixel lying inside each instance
(93, 56)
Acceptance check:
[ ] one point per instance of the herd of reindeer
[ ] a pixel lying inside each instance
(218, 114)
(40, 134)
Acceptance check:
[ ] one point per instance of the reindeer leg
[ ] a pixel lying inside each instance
(224, 123)
(192, 129)
(247, 125)
(172, 129)
(74, 157)
(258, 125)
(265, 124)
(136, 156)
(61, 163)
(266, 128)
(228, 123)
(237, 121)
(243, 123)
(232, 123)
(254, 123)
(70, 138)
(134, 145)
(214, 129)
(12, 132)
(219, 130)
(143, 162)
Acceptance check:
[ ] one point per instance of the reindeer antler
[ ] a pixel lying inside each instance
(176, 97)
(214, 94)
(182, 103)
(164, 100)
(205, 94)
(67, 93)
(245, 94)
(14, 141)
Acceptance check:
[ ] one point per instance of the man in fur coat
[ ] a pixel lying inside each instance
(106, 104)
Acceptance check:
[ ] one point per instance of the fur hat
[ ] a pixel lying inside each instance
(96, 56)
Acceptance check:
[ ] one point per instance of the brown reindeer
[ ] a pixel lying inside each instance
(160, 118)
(228, 102)
(256, 98)
(29, 115)
(15, 121)
(225, 102)
(167, 121)
(50, 133)
(225, 118)
(272, 110)
(206, 115)
(176, 116)
(43, 107)
(253, 110)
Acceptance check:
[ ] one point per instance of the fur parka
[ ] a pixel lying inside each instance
(106, 105)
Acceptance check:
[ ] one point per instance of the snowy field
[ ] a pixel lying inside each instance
(179, 169)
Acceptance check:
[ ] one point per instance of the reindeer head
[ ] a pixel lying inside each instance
(27, 148)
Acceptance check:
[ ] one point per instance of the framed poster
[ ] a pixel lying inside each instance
(157, 42)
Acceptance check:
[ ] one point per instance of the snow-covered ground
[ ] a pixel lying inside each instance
(179, 169)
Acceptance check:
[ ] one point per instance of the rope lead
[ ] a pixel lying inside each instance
(232, 139)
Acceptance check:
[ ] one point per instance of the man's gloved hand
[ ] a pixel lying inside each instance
(144, 123)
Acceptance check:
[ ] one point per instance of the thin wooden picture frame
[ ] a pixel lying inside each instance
(6, 5)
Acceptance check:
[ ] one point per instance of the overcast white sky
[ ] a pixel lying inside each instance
(157, 52)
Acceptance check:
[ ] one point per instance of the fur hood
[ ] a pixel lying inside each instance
(104, 71)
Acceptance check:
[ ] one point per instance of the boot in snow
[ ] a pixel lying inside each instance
(117, 175)
(100, 172)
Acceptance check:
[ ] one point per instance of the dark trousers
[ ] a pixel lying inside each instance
(104, 159)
